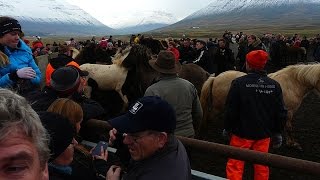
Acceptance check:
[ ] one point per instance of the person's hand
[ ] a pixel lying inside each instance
(112, 134)
(113, 173)
(26, 73)
(276, 141)
(103, 154)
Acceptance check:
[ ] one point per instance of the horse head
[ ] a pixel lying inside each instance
(138, 58)
(153, 44)
(87, 54)
(140, 73)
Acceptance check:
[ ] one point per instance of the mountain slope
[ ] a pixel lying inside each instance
(52, 17)
(146, 21)
(253, 15)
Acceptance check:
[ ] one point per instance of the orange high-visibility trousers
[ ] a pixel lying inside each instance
(235, 167)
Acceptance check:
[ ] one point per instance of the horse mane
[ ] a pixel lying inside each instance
(154, 45)
(121, 54)
(308, 74)
(138, 57)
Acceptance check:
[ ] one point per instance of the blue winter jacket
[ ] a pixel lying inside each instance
(19, 58)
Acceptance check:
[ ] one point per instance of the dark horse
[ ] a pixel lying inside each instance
(141, 75)
(92, 53)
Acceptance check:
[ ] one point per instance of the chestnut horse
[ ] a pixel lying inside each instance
(296, 82)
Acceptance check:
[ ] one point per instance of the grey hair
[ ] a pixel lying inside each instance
(16, 115)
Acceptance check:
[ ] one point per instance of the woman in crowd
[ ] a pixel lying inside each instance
(68, 109)
(18, 69)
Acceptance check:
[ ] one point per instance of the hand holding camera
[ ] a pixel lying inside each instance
(100, 151)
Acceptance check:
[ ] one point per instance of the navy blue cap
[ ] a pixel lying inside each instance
(147, 113)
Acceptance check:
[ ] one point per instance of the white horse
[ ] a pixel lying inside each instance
(109, 77)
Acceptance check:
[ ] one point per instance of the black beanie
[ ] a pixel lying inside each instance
(65, 80)
(60, 130)
(9, 26)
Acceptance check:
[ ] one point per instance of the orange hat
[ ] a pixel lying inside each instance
(257, 59)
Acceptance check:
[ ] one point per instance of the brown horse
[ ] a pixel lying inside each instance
(296, 81)
(141, 75)
(293, 55)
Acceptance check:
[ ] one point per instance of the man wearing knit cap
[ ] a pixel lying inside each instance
(255, 112)
(69, 82)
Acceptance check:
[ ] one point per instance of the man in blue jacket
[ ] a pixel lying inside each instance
(18, 69)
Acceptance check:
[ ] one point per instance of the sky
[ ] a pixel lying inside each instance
(116, 13)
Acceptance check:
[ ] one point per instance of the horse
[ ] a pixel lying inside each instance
(296, 82)
(75, 52)
(141, 75)
(292, 55)
(155, 45)
(92, 53)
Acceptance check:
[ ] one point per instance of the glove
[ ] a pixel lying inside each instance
(226, 134)
(26, 73)
(276, 141)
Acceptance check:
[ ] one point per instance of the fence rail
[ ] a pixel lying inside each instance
(278, 161)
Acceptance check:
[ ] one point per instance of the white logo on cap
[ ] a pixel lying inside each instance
(135, 108)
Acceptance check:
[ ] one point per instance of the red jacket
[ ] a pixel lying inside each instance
(175, 52)
(37, 44)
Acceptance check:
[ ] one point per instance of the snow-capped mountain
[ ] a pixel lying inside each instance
(227, 6)
(252, 15)
(52, 17)
(145, 21)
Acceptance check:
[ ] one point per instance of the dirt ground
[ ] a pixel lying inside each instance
(306, 132)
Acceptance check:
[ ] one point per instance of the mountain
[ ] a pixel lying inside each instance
(52, 17)
(146, 21)
(252, 15)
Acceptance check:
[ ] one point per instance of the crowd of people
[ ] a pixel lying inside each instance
(40, 128)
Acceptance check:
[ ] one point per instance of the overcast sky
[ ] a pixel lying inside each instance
(111, 12)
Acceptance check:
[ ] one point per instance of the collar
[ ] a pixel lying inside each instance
(61, 169)
(259, 72)
(167, 76)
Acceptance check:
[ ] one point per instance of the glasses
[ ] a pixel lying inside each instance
(136, 136)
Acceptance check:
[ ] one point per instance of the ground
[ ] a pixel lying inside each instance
(306, 132)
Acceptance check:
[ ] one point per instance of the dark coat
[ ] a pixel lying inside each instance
(41, 100)
(186, 54)
(255, 108)
(204, 59)
(224, 58)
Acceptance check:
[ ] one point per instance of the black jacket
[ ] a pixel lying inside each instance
(41, 100)
(186, 54)
(204, 60)
(224, 58)
(255, 108)
(60, 61)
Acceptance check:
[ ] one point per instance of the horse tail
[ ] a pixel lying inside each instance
(206, 102)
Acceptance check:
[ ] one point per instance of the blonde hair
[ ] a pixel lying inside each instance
(4, 60)
(68, 109)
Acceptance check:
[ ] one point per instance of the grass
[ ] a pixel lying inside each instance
(309, 31)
